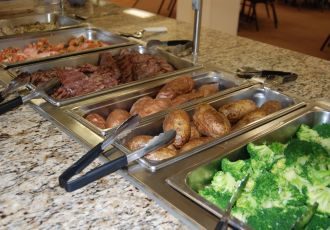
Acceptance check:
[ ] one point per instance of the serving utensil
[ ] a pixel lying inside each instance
(263, 75)
(39, 91)
(139, 34)
(304, 219)
(223, 223)
(13, 86)
(157, 142)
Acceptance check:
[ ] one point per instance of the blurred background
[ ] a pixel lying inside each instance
(298, 25)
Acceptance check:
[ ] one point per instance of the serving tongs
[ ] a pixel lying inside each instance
(139, 34)
(13, 86)
(263, 75)
(39, 91)
(223, 223)
(157, 142)
(305, 218)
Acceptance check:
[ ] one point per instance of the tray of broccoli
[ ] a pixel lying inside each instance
(289, 172)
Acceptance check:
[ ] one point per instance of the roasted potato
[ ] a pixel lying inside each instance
(209, 89)
(138, 142)
(271, 106)
(146, 106)
(96, 119)
(176, 87)
(161, 154)
(209, 122)
(194, 143)
(116, 117)
(185, 98)
(179, 121)
(236, 110)
(250, 117)
(194, 132)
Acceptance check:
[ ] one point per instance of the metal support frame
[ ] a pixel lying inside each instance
(197, 7)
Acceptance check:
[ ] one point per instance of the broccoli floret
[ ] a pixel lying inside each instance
(237, 168)
(219, 199)
(224, 182)
(262, 156)
(305, 133)
(247, 204)
(318, 177)
(319, 222)
(275, 218)
(278, 166)
(321, 195)
(277, 147)
(266, 188)
(323, 130)
(293, 177)
(297, 150)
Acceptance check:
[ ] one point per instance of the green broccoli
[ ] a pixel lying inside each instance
(266, 188)
(323, 130)
(237, 168)
(318, 177)
(224, 182)
(275, 218)
(262, 156)
(277, 147)
(293, 177)
(305, 133)
(300, 150)
(219, 199)
(319, 222)
(321, 195)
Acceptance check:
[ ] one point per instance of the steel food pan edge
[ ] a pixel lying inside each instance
(181, 65)
(104, 107)
(190, 180)
(257, 93)
(60, 22)
(58, 36)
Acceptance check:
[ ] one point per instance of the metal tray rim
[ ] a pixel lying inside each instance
(299, 104)
(127, 42)
(178, 180)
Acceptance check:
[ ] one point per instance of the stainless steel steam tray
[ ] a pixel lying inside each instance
(258, 93)
(190, 180)
(58, 22)
(62, 36)
(225, 81)
(180, 65)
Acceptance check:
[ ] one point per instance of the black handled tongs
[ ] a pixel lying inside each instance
(112, 166)
(223, 223)
(279, 76)
(40, 91)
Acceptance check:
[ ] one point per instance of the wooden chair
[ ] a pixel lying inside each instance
(252, 11)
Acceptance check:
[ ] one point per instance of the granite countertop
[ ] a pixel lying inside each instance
(33, 152)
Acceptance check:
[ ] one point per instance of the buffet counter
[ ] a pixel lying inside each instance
(33, 152)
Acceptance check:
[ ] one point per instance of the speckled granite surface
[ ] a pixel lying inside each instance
(33, 152)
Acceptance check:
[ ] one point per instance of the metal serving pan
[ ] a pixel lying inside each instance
(58, 36)
(180, 65)
(257, 93)
(225, 81)
(190, 180)
(59, 22)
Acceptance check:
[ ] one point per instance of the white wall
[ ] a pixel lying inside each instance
(221, 15)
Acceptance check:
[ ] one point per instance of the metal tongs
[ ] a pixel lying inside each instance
(223, 223)
(112, 166)
(305, 218)
(39, 91)
(262, 75)
(13, 86)
(139, 34)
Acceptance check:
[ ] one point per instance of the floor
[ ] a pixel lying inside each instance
(300, 29)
